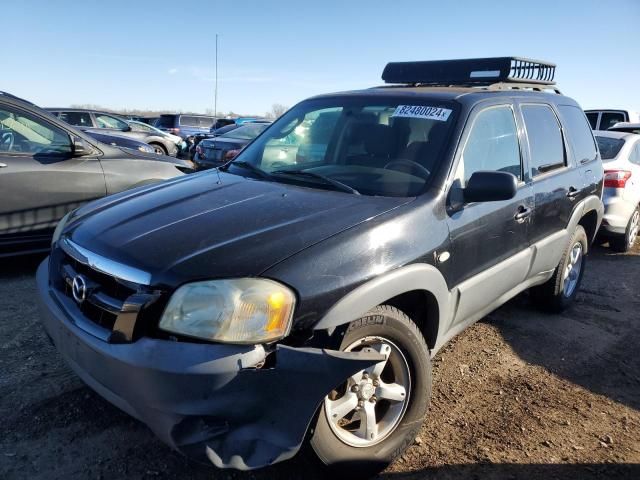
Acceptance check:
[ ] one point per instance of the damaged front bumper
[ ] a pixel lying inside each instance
(206, 400)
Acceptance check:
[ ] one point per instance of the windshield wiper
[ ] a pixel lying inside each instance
(343, 187)
(246, 166)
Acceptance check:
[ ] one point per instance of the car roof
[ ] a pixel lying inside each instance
(626, 125)
(466, 95)
(621, 135)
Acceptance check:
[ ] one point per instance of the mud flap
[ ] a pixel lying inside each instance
(288, 396)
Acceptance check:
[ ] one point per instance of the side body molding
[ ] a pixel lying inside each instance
(418, 276)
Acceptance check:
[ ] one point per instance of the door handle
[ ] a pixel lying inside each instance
(573, 192)
(3, 165)
(523, 214)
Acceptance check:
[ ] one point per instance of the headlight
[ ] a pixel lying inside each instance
(243, 310)
(59, 228)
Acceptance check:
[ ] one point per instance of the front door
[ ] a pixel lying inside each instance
(40, 180)
(490, 252)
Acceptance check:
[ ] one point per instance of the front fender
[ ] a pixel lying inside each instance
(377, 291)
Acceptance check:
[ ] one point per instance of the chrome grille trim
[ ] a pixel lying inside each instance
(105, 265)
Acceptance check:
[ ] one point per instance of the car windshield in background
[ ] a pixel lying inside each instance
(371, 146)
(246, 132)
(609, 147)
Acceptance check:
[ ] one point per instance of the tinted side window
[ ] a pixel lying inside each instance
(23, 133)
(79, 119)
(593, 119)
(609, 119)
(165, 121)
(107, 121)
(545, 138)
(492, 144)
(579, 133)
(188, 121)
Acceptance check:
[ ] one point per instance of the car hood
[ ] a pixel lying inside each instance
(214, 226)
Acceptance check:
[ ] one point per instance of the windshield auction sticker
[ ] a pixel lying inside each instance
(420, 111)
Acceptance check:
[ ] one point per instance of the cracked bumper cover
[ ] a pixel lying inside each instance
(205, 400)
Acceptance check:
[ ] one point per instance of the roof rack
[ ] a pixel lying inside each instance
(513, 71)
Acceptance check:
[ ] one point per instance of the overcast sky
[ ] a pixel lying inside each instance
(160, 54)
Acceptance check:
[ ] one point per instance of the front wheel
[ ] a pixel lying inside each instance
(369, 420)
(158, 149)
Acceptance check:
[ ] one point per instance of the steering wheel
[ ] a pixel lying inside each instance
(6, 141)
(422, 171)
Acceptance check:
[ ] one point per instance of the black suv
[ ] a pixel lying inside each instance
(243, 310)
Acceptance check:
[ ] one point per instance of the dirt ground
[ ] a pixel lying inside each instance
(519, 395)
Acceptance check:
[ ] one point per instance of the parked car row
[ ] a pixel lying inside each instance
(49, 168)
(328, 258)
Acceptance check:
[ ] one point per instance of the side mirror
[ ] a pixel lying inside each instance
(127, 128)
(490, 186)
(81, 148)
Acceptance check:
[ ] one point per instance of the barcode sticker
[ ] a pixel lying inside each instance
(420, 111)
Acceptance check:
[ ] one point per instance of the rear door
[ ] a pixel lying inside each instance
(40, 180)
(557, 184)
(490, 252)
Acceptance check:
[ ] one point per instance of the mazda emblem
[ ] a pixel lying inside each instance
(79, 288)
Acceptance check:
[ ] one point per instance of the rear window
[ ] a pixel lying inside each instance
(609, 119)
(165, 121)
(193, 121)
(609, 147)
(579, 133)
(246, 132)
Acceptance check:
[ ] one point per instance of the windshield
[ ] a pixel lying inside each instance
(609, 147)
(373, 146)
(246, 132)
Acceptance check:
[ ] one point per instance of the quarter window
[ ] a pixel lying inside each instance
(546, 147)
(22, 133)
(635, 154)
(579, 133)
(492, 144)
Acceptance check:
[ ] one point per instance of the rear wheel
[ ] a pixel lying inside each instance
(624, 243)
(561, 289)
(369, 420)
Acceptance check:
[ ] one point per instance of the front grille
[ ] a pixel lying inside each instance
(102, 304)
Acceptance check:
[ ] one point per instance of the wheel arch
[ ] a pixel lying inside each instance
(418, 290)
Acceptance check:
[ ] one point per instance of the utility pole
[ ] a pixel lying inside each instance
(215, 94)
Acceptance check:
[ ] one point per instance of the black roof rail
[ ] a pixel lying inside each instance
(10, 95)
(471, 72)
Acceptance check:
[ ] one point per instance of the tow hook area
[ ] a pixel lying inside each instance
(285, 399)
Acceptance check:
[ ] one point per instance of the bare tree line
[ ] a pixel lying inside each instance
(276, 111)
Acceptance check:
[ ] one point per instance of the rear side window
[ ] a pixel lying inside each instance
(593, 119)
(79, 119)
(609, 147)
(546, 147)
(192, 121)
(609, 119)
(492, 144)
(165, 121)
(578, 133)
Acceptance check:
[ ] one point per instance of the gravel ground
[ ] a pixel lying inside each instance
(520, 394)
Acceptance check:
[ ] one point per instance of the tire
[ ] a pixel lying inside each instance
(623, 243)
(560, 290)
(342, 456)
(159, 149)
